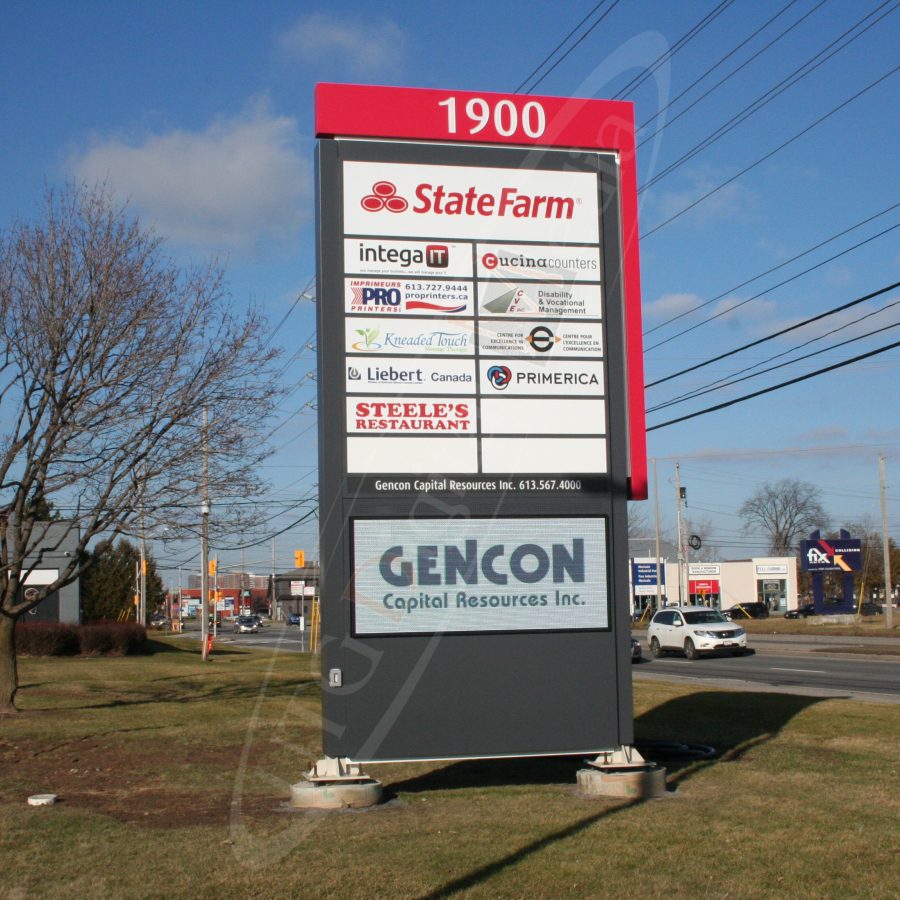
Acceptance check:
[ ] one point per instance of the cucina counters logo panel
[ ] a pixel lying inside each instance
(465, 202)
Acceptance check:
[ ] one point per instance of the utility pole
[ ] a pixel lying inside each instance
(658, 566)
(273, 610)
(886, 548)
(682, 569)
(142, 581)
(204, 547)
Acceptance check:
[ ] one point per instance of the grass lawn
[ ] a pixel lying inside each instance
(173, 778)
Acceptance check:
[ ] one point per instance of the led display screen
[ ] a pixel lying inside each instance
(427, 576)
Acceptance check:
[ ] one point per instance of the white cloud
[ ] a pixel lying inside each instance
(359, 47)
(240, 182)
(670, 305)
(731, 201)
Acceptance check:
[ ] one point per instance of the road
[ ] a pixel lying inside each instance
(811, 664)
(790, 664)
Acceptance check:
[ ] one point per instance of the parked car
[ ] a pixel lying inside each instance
(801, 612)
(635, 650)
(246, 625)
(748, 611)
(694, 630)
(869, 609)
(294, 619)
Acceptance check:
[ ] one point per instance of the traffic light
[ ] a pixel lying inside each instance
(144, 566)
(299, 559)
(212, 568)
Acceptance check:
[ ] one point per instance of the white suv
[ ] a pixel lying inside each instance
(694, 630)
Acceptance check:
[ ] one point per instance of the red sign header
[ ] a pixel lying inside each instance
(419, 114)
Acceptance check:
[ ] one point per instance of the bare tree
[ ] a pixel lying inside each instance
(784, 510)
(110, 352)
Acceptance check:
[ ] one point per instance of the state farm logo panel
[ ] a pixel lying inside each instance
(521, 377)
(405, 259)
(517, 298)
(420, 376)
(412, 336)
(553, 339)
(384, 296)
(469, 202)
(431, 416)
(545, 262)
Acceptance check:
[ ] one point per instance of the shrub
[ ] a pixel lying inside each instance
(53, 639)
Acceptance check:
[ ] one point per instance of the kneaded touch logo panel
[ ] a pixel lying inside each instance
(409, 336)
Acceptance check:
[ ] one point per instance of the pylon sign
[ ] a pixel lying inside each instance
(842, 555)
(481, 421)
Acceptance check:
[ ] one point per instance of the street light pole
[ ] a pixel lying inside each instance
(886, 548)
(204, 549)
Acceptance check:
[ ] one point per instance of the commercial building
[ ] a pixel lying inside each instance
(766, 579)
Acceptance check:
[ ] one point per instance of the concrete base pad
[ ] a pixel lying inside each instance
(336, 794)
(633, 784)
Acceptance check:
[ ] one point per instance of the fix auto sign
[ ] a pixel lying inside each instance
(825, 556)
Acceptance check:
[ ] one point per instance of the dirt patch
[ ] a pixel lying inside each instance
(122, 781)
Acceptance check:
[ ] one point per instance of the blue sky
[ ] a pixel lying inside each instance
(200, 114)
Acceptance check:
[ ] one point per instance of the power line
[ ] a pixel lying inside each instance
(683, 41)
(715, 65)
(775, 387)
(773, 288)
(769, 271)
(549, 56)
(771, 94)
(586, 33)
(771, 153)
(775, 334)
(724, 383)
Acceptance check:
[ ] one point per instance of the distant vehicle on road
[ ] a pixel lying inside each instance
(801, 612)
(748, 611)
(246, 625)
(694, 630)
(294, 619)
(635, 650)
(869, 609)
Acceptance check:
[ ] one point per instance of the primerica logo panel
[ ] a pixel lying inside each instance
(515, 574)
(467, 202)
(522, 377)
(420, 376)
(523, 299)
(410, 336)
(538, 261)
(550, 339)
(406, 259)
(391, 296)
